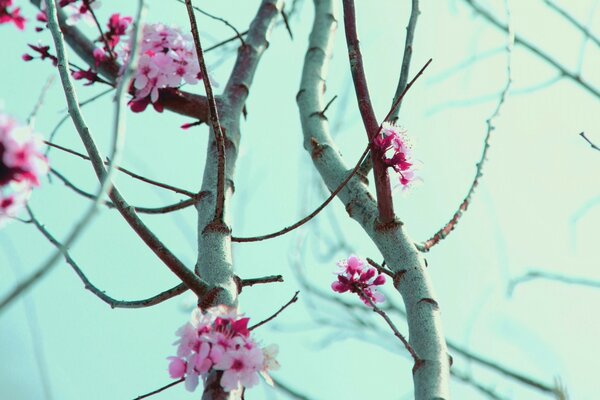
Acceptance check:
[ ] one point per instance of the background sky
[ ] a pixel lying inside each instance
(535, 208)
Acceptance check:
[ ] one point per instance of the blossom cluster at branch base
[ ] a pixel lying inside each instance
(21, 166)
(13, 15)
(219, 340)
(167, 60)
(356, 277)
(396, 149)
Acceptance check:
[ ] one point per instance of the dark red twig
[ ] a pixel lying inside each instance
(382, 183)
(214, 117)
(272, 317)
(152, 393)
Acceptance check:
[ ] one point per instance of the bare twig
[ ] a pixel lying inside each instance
(214, 117)
(408, 49)
(112, 302)
(286, 23)
(286, 305)
(238, 35)
(592, 144)
(534, 275)
(128, 172)
(573, 21)
(293, 393)
(264, 279)
(462, 208)
(180, 205)
(152, 393)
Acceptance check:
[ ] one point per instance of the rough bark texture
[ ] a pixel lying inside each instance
(423, 315)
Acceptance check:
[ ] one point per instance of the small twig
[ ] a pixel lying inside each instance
(238, 35)
(392, 326)
(408, 50)
(214, 118)
(224, 42)
(450, 225)
(592, 144)
(112, 302)
(381, 269)
(102, 35)
(582, 28)
(287, 24)
(293, 393)
(286, 305)
(322, 113)
(342, 184)
(40, 101)
(177, 382)
(264, 279)
(127, 172)
(144, 210)
(533, 275)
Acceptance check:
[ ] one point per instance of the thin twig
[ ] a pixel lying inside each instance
(293, 393)
(443, 232)
(177, 382)
(102, 36)
(582, 28)
(393, 327)
(112, 302)
(128, 172)
(533, 275)
(286, 305)
(238, 35)
(224, 42)
(380, 268)
(287, 23)
(40, 100)
(408, 50)
(144, 210)
(264, 279)
(214, 118)
(592, 144)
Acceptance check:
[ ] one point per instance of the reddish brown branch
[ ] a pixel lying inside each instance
(382, 182)
(213, 117)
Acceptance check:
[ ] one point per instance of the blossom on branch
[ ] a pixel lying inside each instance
(167, 60)
(21, 166)
(219, 340)
(356, 277)
(396, 149)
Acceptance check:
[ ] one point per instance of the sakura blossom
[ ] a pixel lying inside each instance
(21, 166)
(219, 340)
(11, 15)
(167, 60)
(79, 10)
(356, 277)
(397, 152)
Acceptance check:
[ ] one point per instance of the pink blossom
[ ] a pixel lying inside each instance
(355, 277)
(219, 340)
(21, 165)
(13, 15)
(78, 12)
(397, 152)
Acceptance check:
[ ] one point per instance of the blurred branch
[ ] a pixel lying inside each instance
(575, 78)
(293, 393)
(535, 275)
(582, 28)
(462, 208)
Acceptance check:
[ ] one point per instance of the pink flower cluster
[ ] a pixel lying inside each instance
(219, 340)
(356, 277)
(397, 152)
(21, 166)
(168, 60)
(13, 15)
(78, 10)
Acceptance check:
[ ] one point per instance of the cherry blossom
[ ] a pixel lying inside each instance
(355, 277)
(77, 12)
(13, 15)
(397, 152)
(219, 340)
(21, 166)
(167, 60)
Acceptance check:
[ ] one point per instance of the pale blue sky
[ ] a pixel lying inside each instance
(539, 176)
